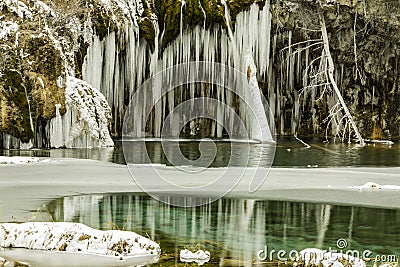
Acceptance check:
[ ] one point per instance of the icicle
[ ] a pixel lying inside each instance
(259, 124)
(228, 24)
(322, 223)
(56, 130)
(104, 68)
(29, 107)
(204, 13)
(93, 63)
(183, 3)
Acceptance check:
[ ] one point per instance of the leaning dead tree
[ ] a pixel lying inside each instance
(331, 67)
(319, 74)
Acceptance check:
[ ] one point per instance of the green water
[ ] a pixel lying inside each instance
(234, 230)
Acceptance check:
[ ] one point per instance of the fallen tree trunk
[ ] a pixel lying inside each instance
(331, 68)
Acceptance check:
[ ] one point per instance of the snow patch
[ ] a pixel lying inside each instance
(17, 7)
(383, 142)
(317, 257)
(43, 8)
(17, 160)
(375, 186)
(200, 256)
(75, 239)
(8, 28)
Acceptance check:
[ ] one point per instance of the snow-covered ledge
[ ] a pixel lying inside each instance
(85, 124)
(74, 244)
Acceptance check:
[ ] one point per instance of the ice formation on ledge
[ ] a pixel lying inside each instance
(315, 257)
(17, 160)
(9, 141)
(74, 244)
(260, 129)
(200, 256)
(118, 75)
(375, 186)
(85, 124)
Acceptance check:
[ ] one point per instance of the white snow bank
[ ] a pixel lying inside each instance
(17, 160)
(317, 257)
(200, 256)
(375, 186)
(74, 244)
(86, 122)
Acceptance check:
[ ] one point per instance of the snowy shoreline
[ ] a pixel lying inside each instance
(27, 187)
(74, 244)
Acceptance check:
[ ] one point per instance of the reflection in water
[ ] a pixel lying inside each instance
(103, 154)
(235, 229)
(289, 153)
(222, 154)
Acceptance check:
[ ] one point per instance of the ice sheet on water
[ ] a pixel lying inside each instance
(17, 160)
(375, 186)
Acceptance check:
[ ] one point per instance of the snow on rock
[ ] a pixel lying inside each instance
(375, 186)
(74, 244)
(17, 160)
(7, 28)
(315, 257)
(17, 7)
(43, 8)
(200, 256)
(85, 123)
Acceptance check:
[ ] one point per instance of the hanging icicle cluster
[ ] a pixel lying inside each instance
(119, 63)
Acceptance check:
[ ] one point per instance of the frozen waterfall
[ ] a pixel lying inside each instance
(119, 64)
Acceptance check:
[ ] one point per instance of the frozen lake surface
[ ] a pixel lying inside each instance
(312, 204)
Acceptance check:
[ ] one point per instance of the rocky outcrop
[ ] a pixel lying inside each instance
(365, 48)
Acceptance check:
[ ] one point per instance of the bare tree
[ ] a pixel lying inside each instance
(319, 74)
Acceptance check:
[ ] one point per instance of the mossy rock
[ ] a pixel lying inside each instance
(45, 95)
(14, 107)
(169, 14)
(147, 32)
(47, 59)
